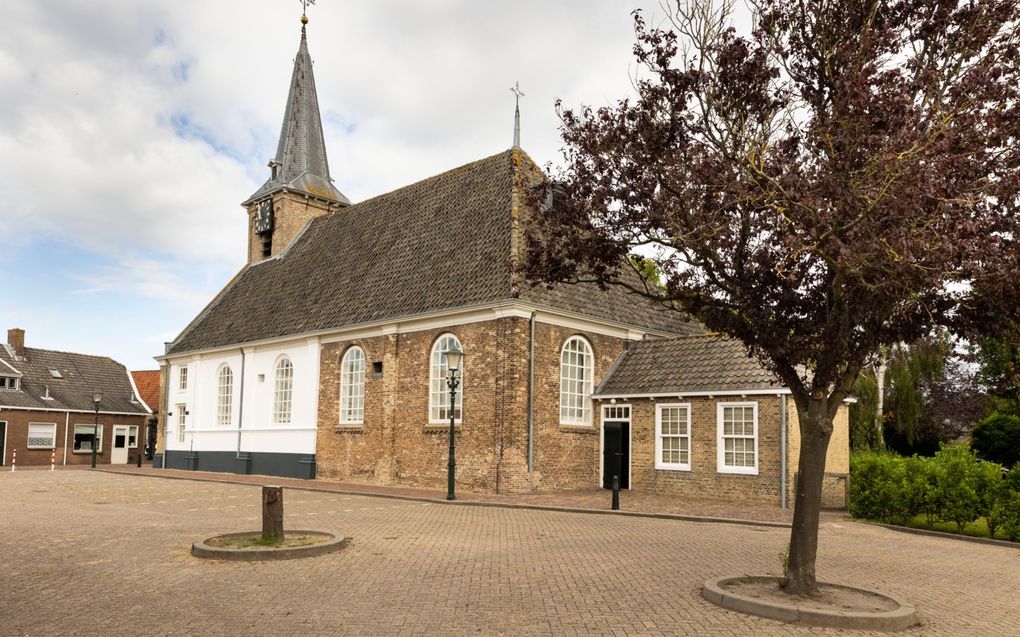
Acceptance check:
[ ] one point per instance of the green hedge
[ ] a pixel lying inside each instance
(954, 486)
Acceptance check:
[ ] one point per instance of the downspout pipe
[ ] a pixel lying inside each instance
(531, 392)
(240, 407)
(782, 450)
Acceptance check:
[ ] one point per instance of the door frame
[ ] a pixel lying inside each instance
(113, 444)
(3, 455)
(630, 440)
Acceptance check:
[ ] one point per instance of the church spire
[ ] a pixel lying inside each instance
(300, 163)
(518, 94)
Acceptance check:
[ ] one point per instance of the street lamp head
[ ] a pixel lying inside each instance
(454, 359)
(97, 396)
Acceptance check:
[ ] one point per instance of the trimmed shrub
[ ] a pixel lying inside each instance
(956, 483)
(997, 439)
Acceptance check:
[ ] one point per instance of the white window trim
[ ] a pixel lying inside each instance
(136, 430)
(459, 399)
(720, 447)
(90, 425)
(278, 416)
(182, 378)
(220, 395)
(343, 386)
(29, 437)
(586, 419)
(671, 466)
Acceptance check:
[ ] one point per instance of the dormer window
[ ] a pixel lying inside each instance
(9, 382)
(55, 373)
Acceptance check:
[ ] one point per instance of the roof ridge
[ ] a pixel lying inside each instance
(57, 351)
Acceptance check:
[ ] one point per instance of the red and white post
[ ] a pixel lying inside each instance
(14, 459)
(53, 459)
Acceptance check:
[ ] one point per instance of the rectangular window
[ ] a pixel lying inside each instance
(181, 414)
(42, 435)
(83, 438)
(673, 437)
(182, 378)
(133, 437)
(738, 438)
(8, 382)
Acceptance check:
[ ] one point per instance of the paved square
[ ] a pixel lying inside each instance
(91, 553)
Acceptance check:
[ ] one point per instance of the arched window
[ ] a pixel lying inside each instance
(576, 364)
(225, 395)
(283, 391)
(439, 393)
(352, 387)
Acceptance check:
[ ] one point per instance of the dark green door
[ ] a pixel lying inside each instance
(616, 454)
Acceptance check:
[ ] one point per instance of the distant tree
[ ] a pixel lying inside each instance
(998, 359)
(842, 179)
(997, 439)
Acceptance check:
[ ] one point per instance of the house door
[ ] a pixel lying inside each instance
(119, 455)
(616, 454)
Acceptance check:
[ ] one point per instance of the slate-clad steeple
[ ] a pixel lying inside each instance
(300, 163)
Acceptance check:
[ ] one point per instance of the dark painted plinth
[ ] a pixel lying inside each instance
(285, 465)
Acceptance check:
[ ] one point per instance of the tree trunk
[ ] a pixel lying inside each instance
(880, 403)
(815, 432)
(272, 513)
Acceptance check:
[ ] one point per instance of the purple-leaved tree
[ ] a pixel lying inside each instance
(842, 178)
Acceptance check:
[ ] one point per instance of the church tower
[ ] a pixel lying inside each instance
(299, 187)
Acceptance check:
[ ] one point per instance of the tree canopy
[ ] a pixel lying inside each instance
(841, 178)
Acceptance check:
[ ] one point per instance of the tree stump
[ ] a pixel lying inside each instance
(272, 513)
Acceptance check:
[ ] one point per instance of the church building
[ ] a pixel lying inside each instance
(325, 356)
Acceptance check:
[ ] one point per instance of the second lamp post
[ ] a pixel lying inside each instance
(96, 397)
(454, 360)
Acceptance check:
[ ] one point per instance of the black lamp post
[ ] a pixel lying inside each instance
(96, 397)
(454, 360)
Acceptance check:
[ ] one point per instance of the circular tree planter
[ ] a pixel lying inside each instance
(836, 606)
(248, 546)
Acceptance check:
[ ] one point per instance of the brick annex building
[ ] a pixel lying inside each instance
(324, 356)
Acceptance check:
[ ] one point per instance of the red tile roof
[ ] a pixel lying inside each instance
(147, 383)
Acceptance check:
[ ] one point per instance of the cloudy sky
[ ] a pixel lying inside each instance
(131, 131)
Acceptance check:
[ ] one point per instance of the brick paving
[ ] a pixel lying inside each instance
(94, 553)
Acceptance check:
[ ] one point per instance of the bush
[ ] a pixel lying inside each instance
(954, 486)
(997, 439)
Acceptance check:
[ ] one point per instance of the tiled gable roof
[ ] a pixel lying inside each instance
(439, 244)
(147, 383)
(81, 374)
(700, 363)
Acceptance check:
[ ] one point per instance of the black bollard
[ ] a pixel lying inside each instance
(138, 452)
(616, 493)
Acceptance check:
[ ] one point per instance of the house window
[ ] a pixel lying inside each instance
(673, 437)
(182, 379)
(182, 412)
(8, 382)
(738, 438)
(283, 391)
(42, 435)
(352, 387)
(133, 437)
(84, 438)
(576, 361)
(439, 392)
(225, 395)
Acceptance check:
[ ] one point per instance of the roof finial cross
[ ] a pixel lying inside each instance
(304, 10)
(518, 94)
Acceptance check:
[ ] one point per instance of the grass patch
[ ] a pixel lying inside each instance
(977, 528)
(253, 540)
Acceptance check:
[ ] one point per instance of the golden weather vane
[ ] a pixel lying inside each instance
(304, 9)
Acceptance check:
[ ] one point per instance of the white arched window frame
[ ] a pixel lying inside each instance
(352, 387)
(439, 393)
(283, 391)
(576, 373)
(224, 395)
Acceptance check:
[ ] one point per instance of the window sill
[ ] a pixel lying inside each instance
(50, 447)
(730, 471)
(348, 428)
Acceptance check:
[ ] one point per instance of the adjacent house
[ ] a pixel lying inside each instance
(325, 356)
(48, 412)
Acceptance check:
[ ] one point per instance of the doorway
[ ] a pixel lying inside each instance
(119, 454)
(615, 459)
(3, 443)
